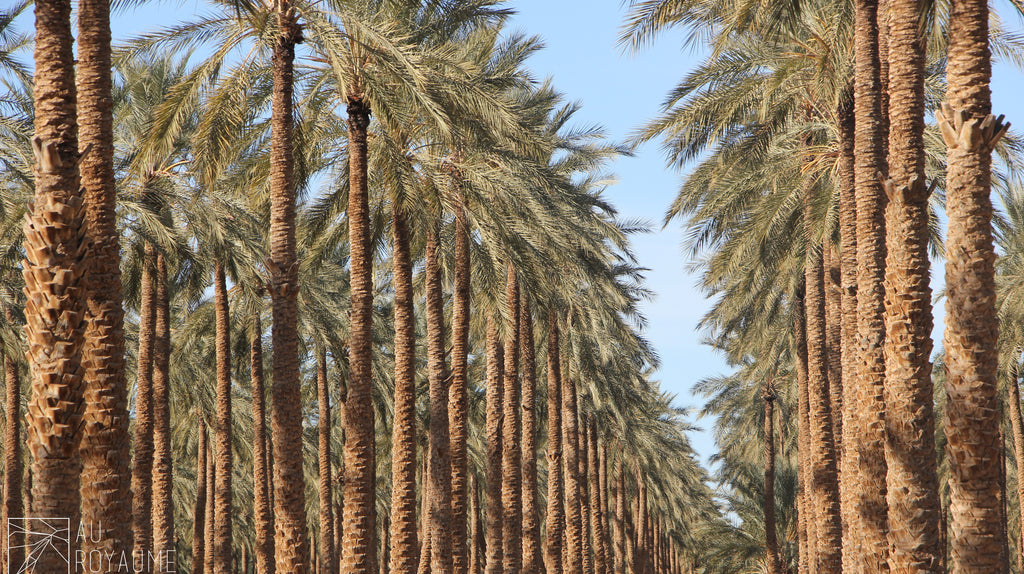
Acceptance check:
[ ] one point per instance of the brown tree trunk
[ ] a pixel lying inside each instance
(106, 478)
(142, 465)
(805, 508)
(618, 527)
(642, 550)
(14, 469)
(211, 512)
(532, 562)
(163, 464)
(475, 531)
(199, 512)
(574, 547)
(584, 502)
(327, 560)
(555, 518)
(54, 262)
(404, 544)
(222, 548)
(596, 509)
(833, 343)
(495, 392)
(602, 482)
(458, 403)
(511, 487)
(972, 325)
(439, 512)
(1017, 426)
(263, 517)
(771, 543)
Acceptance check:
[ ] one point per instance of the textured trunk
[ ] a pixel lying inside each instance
(360, 538)
(805, 509)
(511, 470)
(404, 543)
(494, 418)
(1017, 426)
(555, 518)
(458, 406)
(629, 528)
(222, 548)
(584, 502)
(423, 567)
(475, 532)
(596, 507)
(833, 343)
(263, 517)
(573, 539)
(771, 543)
(869, 529)
(972, 326)
(199, 512)
(291, 542)
(532, 562)
(55, 306)
(106, 478)
(327, 562)
(163, 464)
(439, 512)
(385, 545)
(824, 484)
(13, 466)
(211, 513)
(602, 488)
(618, 528)
(642, 553)
(142, 467)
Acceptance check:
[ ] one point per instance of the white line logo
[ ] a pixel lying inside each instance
(38, 538)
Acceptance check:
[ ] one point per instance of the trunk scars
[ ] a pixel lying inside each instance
(359, 112)
(969, 134)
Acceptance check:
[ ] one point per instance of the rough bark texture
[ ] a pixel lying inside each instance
(199, 511)
(476, 534)
(163, 464)
(495, 377)
(833, 342)
(574, 533)
(532, 562)
(555, 517)
(869, 530)
(972, 326)
(439, 512)
(511, 487)
(404, 544)
(597, 512)
(618, 514)
(106, 478)
(912, 483)
(291, 542)
(805, 509)
(222, 548)
(211, 512)
(54, 263)
(458, 402)
(13, 465)
(142, 463)
(584, 502)
(1017, 426)
(327, 561)
(771, 543)
(262, 515)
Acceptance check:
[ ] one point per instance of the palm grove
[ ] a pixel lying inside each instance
(332, 287)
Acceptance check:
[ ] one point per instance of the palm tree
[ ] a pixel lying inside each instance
(495, 452)
(264, 518)
(142, 468)
(532, 558)
(13, 465)
(327, 559)
(164, 542)
(199, 514)
(511, 467)
(555, 515)
(770, 540)
(222, 548)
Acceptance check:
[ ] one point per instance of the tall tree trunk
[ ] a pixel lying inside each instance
(603, 490)
(511, 488)
(404, 545)
(574, 547)
(106, 478)
(584, 502)
(805, 508)
(222, 549)
(643, 554)
(14, 469)
(475, 531)
(824, 484)
(439, 512)
(385, 545)
(495, 392)
(972, 325)
(327, 560)
(360, 537)
(262, 505)
(618, 514)
(163, 464)
(142, 465)
(596, 507)
(532, 557)
(291, 542)
(555, 516)
(833, 343)
(771, 543)
(211, 512)
(1017, 426)
(912, 484)
(458, 402)
(869, 531)
(54, 262)
(199, 512)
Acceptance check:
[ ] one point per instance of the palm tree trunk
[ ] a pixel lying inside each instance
(555, 518)
(222, 549)
(910, 443)
(512, 486)
(404, 545)
(385, 545)
(458, 402)
(13, 553)
(606, 527)
(532, 562)
(771, 543)
(163, 464)
(53, 265)
(327, 560)
(439, 512)
(199, 512)
(972, 325)
(869, 532)
(574, 542)
(642, 551)
(106, 478)
(596, 507)
(805, 509)
(209, 535)
(1017, 426)
(584, 501)
(495, 391)
(833, 344)
(262, 505)
(618, 515)
(475, 533)
(142, 467)
(423, 567)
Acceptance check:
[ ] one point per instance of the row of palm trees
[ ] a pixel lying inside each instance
(388, 177)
